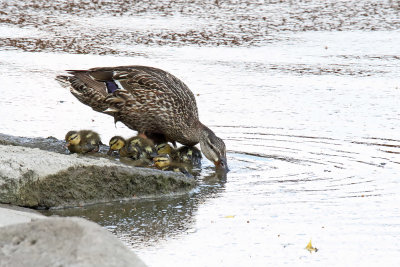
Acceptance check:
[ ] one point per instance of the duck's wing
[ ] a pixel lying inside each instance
(150, 95)
(148, 85)
(86, 89)
(146, 99)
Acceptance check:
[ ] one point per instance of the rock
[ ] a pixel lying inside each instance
(62, 242)
(32, 177)
(50, 143)
(13, 214)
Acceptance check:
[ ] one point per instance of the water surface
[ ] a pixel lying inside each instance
(305, 95)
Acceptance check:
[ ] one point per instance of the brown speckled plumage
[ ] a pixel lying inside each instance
(148, 100)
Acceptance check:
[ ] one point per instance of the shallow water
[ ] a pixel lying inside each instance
(308, 108)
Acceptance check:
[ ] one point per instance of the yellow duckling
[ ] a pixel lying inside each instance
(124, 147)
(146, 146)
(165, 163)
(165, 148)
(83, 141)
(189, 155)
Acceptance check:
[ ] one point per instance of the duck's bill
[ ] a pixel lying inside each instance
(221, 165)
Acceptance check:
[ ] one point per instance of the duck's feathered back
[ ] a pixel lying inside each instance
(145, 99)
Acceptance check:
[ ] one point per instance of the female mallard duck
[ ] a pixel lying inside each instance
(83, 141)
(134, 147)
(148, 100)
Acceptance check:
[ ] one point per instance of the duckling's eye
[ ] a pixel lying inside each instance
(73, 137)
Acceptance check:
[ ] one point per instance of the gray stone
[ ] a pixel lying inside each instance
(14, 214)
(32, 177)
(62, 242)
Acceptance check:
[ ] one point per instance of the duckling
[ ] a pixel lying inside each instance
(189, 155)
(83, 141)
(145, 145)
(165, 148)
(164, 162)
(124, 147)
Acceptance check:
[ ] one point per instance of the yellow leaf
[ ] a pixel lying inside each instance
(230, 216)
(310, 248)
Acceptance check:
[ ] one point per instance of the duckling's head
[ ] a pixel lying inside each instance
(162, 161)
(72, 138)
(189, 154)
(164, 148)
(133, 150)
(214, 149)
(146, 146)
(116, 143)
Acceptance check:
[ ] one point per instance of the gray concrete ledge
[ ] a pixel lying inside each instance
(33, 177)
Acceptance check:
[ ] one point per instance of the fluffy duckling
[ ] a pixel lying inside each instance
(83, 141)
(165, 163)
(189, 155)
(124, 148)
(146, 146)
(165, 148)
(135, 147)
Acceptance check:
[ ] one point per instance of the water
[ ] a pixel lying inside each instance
(305, 95)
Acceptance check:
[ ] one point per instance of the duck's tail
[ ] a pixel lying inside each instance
(87, 90)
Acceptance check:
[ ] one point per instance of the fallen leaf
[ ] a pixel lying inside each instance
(230, 216)
(310, 248)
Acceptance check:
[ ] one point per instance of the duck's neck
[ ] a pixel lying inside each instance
(195, 133)
(204, 132)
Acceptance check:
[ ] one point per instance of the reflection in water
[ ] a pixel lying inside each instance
(146, 222)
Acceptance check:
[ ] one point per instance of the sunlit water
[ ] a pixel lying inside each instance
(310, 120)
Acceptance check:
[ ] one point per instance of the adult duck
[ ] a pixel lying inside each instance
(148, 100)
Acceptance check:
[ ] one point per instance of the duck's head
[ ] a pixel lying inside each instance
(214, 149)
(72, 138)
(116, 143)
(162, 161)
(164, 148)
